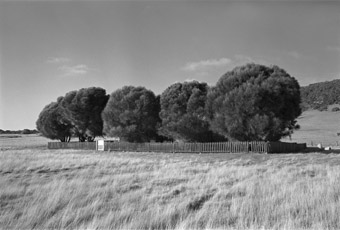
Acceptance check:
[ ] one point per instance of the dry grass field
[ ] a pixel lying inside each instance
(69, 189)
(19, 141)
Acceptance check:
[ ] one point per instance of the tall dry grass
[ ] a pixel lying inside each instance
(86, 190)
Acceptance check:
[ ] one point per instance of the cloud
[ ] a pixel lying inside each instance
(58, 60)
(334, 48)
(205, 65)
(240, 59)
(68, 67)
(294, 54)
(193, 66)
(190, 80)
(75, 70)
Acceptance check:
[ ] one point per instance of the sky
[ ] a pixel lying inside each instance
(48, 48)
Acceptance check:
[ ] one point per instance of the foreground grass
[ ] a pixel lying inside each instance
(84, 189)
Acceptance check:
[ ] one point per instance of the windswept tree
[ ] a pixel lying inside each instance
(183, 113)
(254, 103)
(53, 124)
(132, 114)
(83, 108)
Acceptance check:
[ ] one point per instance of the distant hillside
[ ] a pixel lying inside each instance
(318, 127)
(320, 95)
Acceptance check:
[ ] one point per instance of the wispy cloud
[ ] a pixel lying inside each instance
(239, 59)
(58, 60)
(190, 80)
(67, 67)
(334, 48)
(76, 70)
(294, 54)
(193, 66)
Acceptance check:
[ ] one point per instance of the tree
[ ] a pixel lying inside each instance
(132, 114)
(320, 95)
(183, 113)
(83, 108)
(26, 131)
(254, 103)
(53, 124)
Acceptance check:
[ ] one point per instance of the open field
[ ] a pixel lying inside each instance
(19, 141)
(70, 189)
(318, 127)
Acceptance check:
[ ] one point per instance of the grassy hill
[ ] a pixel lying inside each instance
(318, 123)
(318, 127)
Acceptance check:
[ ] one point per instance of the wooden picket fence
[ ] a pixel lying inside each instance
(212, 147)
(175, 147)
(72, 145)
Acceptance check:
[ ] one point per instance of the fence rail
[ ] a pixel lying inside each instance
(212, 147)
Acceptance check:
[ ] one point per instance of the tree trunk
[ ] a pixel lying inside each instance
(81, 138)
(90, 139)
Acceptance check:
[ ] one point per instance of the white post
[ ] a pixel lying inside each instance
(100, 145)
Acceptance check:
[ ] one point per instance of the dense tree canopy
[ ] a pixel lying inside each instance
(132, 114)
(254, 102)
(53, 124)
(83, 108)
(251, 102)
(183, 112)
(320, 95)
